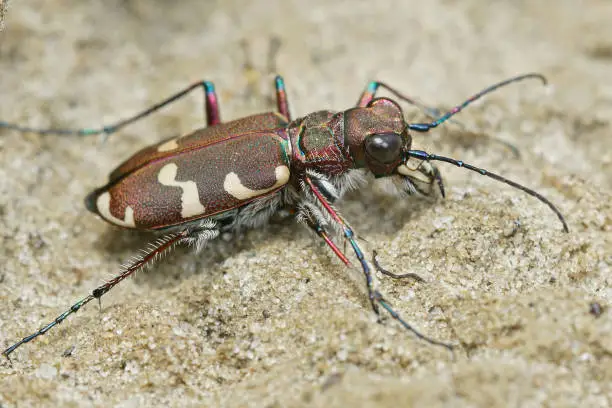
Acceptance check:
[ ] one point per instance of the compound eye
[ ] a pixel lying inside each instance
(384, 147)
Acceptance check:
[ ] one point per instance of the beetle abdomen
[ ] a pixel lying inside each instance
(195, 183)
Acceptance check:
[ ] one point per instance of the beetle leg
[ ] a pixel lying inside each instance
(370, 91)
(153, 252)
(425, 127)
(281, 97)
(211, 104)
(385, 272)
(378, 297)
(206, 230)
(369, 94)
(316, 223)
(375, 296)
(211, 111)
(309, 214)
(348, 233)
(434, 113)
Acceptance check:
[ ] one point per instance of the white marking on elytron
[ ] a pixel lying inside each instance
(167, 146)
(190, 199)
(236, 189)
(103, 205)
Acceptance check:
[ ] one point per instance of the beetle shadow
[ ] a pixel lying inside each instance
(369, 211)
(183, 261)
(374, 212)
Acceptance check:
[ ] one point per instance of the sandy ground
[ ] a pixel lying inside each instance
(3, 9)
(270, 319)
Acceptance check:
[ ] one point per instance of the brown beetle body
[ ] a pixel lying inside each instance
(185, 179)
(226, 166)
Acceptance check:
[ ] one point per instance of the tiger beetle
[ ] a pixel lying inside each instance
(237, 174)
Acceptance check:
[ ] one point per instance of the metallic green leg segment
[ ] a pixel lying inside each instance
(211, 112)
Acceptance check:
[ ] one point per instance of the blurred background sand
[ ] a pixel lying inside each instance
(270, 319)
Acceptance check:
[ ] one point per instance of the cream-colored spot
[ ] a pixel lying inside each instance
(403, 169)
(190, 199)
(235, 188)
(103, 205)
(167, 146)
(415, 173)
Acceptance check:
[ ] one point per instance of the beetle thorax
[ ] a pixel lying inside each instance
(317, 142)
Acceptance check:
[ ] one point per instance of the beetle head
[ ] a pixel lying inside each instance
(378, 137)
